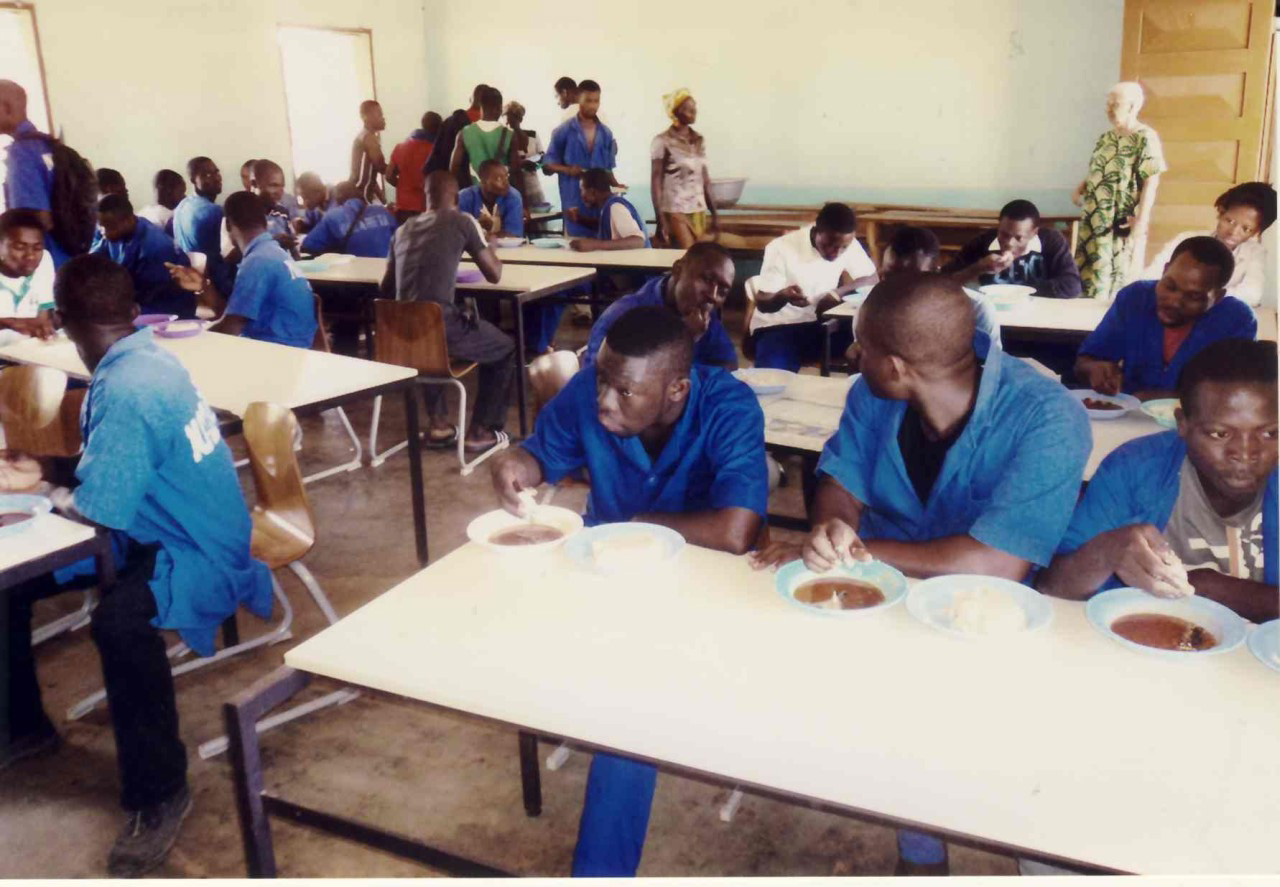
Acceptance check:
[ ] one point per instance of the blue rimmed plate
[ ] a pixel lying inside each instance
(884, 577)
(652, 545)
(1162, 411)
(1264, 643)
(1104, 609)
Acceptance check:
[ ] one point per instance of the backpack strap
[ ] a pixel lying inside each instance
(342, 244)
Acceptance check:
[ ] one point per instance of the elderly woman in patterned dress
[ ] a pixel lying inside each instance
(1117, 195)
(679, 181)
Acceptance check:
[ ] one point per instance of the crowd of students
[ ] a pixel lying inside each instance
(952, 456)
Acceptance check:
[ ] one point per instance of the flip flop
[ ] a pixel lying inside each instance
(469, 447)
(441, 443)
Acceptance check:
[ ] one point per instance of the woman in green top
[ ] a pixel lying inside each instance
(1117, 195)
(485, 139)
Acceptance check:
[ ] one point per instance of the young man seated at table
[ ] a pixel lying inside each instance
(951, 457)
(268, 184)
(619, 225)
(423, 266)
(313, 200)
(197, 222)
(352, 227)
(271, 300)
(1155, 326)
(170, 189)
(803, 274)
(665, 442)
(915, 250)
(1191, 511)
(145, 251)
(26, 275)
(1021, 252)
(694, 291)
(156, 473)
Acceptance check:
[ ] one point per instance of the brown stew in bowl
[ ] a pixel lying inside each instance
(850, 594)
(1164, 632)
(9, 518)
(526, 534)
(1092, 403)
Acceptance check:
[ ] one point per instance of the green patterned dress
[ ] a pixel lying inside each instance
(1117, 170)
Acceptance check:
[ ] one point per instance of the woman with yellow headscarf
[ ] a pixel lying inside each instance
(679, 181)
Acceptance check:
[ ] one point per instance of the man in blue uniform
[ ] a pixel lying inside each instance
(197, 221)
(143, 250)
(28, 180)
(581, 143)
(665, 442)
(352, 227)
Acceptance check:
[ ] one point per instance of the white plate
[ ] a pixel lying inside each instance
(1264, 643)
(765, 381)
(1104, 609)
(1007, 292)
(24, 503)
(482, 528)
(892, 583)
(579, 548)
(509, 242)
(930, 601)
(1127, 401)
(1162, 411)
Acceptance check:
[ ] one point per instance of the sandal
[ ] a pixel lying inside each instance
(442, 443)
(499, 437)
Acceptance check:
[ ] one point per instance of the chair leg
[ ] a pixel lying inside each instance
(280, 632)
(313, 588)
(376, 458)
(70, 622)
(502, 443)
(352, 464)
(214, 747)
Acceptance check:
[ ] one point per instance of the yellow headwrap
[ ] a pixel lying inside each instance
(673, 100)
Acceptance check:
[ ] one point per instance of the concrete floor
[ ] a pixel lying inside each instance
(445, 778)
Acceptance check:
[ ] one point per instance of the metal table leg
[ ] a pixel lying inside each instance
(520, 364)
(415, 471)
(530, 776)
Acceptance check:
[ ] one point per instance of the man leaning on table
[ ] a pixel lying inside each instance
(1204, 496)
(667, 442)
(1155, 326)
(157, 474)
(951, 457)
(1019, 251)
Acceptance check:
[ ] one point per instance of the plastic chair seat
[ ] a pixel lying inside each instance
(275, 541)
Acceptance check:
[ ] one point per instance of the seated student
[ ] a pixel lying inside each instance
(170, 190)
(1204, 495)
(803, 274)
(484, 139)
(111, 182)
(695, 291)
(268, 184)
(665, 442)
(620, 225)
(493, 202)
(144, 251)
(950, 457)
(424, 267)
(1019, 251)
(271, 300)
(315, 202)
(197, 222)
(913, 250)
(1154, 327)
(156, 473)
(352, 227)
(26, 275)
(1245, 211)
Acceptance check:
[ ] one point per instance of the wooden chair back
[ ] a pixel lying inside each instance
(549, 373)
(39, 415)
(411, 334)
(269, 432)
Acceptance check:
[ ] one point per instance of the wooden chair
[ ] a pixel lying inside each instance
(411, 334)
(321, 343)
(41, 418)
(548, 374)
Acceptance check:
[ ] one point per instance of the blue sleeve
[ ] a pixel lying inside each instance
(557, 441)
(611, 145)
(467, 203)
(321, 238)
(1244, 323)
(27, 185)
(120, 457)
(735, 435)
(847, 456)
(1106, 505)
(600, 329)
(513, 214)
(253, 283)
(555, 151)
(1031, 506)
(1107, 340)
(716, 347)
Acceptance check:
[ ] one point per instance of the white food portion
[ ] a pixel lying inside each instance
(985, 611)
(627, 551)
(182, 326)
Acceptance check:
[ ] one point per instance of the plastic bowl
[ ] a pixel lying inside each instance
(1162, 411)
(727, 192)
(1104, 609)
(931, 600)
(482, 529)
(469, 275)
(24, 503)
(180, 329)
(892, 583)
(143, 320)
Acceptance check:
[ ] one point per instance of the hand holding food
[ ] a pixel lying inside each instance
(833, 542)
(1105, 377)
(1143, 559)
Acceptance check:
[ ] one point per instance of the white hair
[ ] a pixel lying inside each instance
(1130, 91)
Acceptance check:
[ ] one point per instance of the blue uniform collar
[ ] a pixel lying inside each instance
(133, 342)
(676, 445)
(264, 237)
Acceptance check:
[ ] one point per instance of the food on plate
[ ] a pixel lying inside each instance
(985, 611)
(9, 518)
(1092, 403)
(526, 534)
(18, 473)
(1164, 632)
(1177, 574)
(839, 594)
(627, 551)
(183, 326)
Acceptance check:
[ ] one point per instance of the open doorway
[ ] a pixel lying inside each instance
(328, 72)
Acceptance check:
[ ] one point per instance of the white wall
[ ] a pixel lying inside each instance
(144, 84)
(887, 95)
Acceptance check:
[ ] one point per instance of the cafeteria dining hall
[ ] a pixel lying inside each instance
(660, 440)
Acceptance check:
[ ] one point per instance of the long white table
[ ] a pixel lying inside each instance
(519, 285)
(603, 260)
(1059, 744)
(233, 372)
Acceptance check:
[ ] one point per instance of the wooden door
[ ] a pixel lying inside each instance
(1204, 65)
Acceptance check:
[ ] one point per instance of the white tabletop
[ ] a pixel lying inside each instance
(1061, 742)
(515, 278)
(233, 372)
(46, 534)
(639, 259)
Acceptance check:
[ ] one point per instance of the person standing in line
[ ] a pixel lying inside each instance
(405, 170)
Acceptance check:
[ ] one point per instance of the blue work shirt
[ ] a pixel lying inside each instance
(143, 255)
(1010, 480)
(273, 296)
(569, 148)
(714, 348)
(155, 468)
(197, 228)
(1139, 483)
(370, 238)
(29, 180)
(713, 459)
(509, 208)
(1131, 332)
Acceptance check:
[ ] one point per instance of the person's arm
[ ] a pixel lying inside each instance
(773, 293)
(458, 158)
(711, 204)
(373, 149)
(974, 261)
(207, 293)
(40, 326)
(512, 472)
(481, 253)
(322, 237)
(725, 529)
(230, 324)
(1098, 360)
(592, 244)
(1103, 376)
(655, 195)
(1134, 553)
(1255, 601)
(1077, 196)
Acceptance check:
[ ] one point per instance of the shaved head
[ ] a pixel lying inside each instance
(926, 319)
(442, 190)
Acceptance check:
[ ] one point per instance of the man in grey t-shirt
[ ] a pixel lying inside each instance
(423, 266)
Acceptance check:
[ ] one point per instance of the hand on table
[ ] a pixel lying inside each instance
(1105, 377)
(774, 555)
(39, 327)
(582, 244)
(831, 543)
(1141, 558)
(188, 278)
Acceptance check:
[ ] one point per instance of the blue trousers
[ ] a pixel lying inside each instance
(541, 319)
(792, 345)
(615, 817)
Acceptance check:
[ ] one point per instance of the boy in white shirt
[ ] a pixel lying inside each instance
(26, 275)
(804, 273)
